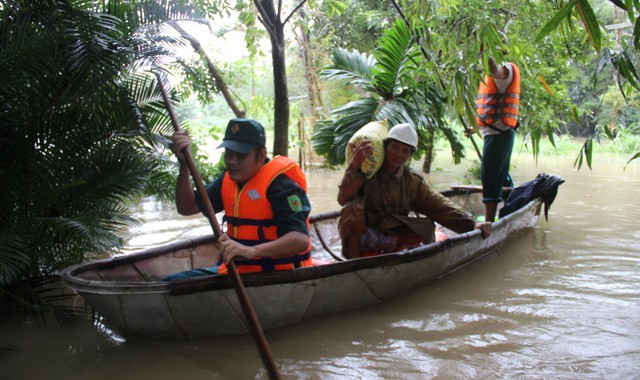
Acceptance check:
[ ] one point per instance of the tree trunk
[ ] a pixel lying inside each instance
(281, 92)
(428, 153)
(213, 70)
(310, 70)
(314, 97)
(275, 27)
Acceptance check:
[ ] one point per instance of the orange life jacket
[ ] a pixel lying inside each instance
(250, 220)
(491, 105)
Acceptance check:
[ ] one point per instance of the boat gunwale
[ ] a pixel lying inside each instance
(208, 283)
(421, 252)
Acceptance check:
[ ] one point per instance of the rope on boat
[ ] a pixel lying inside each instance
(466, 202)
(324, 244)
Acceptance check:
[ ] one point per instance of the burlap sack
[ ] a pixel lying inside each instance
(375, 131)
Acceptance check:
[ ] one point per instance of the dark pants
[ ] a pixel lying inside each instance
(496, 158)
(192, 273)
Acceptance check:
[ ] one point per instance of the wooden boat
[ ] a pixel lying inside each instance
(128, 292)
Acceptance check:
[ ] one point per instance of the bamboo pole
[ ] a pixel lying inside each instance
(243, 298)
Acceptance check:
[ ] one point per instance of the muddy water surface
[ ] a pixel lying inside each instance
(563, 301)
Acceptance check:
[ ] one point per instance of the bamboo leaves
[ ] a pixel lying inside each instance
(544, 83)
(636, 34)
(621, 59)
(586, 153)
(635, 156)
(587, 16)
(550, 26)
(625, 67)
(590, 22)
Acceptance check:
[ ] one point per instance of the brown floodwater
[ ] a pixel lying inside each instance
(562, 301)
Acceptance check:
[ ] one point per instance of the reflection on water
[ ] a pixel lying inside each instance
(563, 301)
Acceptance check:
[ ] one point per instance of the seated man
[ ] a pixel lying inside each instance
(265, 203)
(387, 198)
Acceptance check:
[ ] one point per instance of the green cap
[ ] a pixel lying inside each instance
(243, 135)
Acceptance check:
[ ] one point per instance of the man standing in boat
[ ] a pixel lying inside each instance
(497, 107)
(375, 217)
(265, 203)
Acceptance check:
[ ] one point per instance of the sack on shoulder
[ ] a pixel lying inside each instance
(352, 218)
(374, 132)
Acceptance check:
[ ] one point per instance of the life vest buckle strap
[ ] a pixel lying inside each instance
(269, 264)
(232, 220)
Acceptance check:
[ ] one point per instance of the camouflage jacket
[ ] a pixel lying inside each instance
(390, 199)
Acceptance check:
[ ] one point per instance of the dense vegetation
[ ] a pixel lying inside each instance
(80, 126)
(82, 123)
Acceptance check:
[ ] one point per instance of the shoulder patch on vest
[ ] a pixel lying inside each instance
(295, 203)
(253, 194)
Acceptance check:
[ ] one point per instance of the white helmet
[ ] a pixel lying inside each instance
(404, 133)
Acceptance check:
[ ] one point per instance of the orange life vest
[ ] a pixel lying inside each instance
(491, 105)
(250, 220)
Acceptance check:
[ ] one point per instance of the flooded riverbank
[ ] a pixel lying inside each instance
(563, 301)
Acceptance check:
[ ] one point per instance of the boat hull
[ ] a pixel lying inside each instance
(128, 293)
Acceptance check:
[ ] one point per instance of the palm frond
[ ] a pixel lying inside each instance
(332, 135)
(351, 67)
(457, 147)
(42, 297)
(80, 130)
(146, 12)
(402, 98)
(13, 260)
(395, 53)
(398, 111)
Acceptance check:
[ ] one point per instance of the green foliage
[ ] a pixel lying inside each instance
(353, 68)
(247, 16)
(392, 94)
(552, 24)
(474, 173)
(584, 12)
(351, 24)
(81, 129)
(330, 136)
(585, 154)
(634, 157)
(198, 80)
(556, 95)
(624, 139)
(208, 168)
(622, 60)
(395, 55)
(615, 109)
(337, 24)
